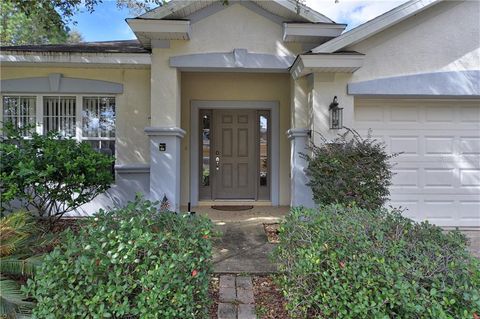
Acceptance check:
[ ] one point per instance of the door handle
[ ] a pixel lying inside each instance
(217, 163)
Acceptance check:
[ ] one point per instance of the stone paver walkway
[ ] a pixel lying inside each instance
(236, 298)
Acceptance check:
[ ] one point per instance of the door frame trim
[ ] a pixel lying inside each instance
(272, 106)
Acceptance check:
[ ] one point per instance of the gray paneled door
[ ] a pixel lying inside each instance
(234, 154)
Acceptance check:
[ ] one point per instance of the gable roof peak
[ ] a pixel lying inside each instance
(288, 10)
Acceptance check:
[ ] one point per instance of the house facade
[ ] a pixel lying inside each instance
(214, 103)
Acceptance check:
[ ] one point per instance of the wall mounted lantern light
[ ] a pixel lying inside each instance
(336, 115)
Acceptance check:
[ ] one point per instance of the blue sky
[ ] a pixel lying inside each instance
(107, 22)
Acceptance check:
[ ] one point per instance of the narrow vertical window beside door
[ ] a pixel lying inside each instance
(205, 127)
(264, 184)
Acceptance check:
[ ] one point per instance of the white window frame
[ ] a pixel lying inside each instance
(78, 112)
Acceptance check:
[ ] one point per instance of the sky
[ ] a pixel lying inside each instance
(107, 22)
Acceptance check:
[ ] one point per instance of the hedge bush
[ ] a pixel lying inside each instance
(341, 262)
(132, 262)
(50, 175)
(350, 170)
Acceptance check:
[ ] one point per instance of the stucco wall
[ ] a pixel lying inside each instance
(237, 87)
(235, 27)
(442, 38)
(133, 106)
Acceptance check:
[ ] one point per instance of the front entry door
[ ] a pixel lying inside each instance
(234, 165)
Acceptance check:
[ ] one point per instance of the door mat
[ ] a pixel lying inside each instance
(231, 208)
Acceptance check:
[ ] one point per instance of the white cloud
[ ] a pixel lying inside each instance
(353, 12)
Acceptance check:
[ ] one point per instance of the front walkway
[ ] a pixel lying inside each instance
(243, 246)
(236, 298)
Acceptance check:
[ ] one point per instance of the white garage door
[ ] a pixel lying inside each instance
(438, 175)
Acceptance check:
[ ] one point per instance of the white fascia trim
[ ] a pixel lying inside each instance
(375, 26)
(140, 59)
(294, 31)
(306, 64)
(305, 12)
(165, 10)
(160, 27)
(150, 31)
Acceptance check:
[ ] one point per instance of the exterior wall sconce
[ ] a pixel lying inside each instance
(336, 115)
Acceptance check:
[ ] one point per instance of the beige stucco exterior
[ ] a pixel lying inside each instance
(432, 41)
(442, 38)
(155, 106)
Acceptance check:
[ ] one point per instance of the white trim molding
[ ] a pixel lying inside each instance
(138, 168)
(164, 131)
(238, 60)
(56, 83)
(376, 25)
(298, 132)
(196, 106)
(336, 62)
(437, 84)
(311, 32)
(79, 59)
(148, 30)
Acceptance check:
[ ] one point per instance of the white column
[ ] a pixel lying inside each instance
(299, 136)
(165, 164)
(165, 132)
(301, 194)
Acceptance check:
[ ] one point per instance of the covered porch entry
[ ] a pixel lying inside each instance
(227, 135)
(234, 146)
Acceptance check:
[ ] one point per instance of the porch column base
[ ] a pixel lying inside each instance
(301, 194)
(165, 143)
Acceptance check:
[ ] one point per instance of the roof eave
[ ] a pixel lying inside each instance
(375, 25)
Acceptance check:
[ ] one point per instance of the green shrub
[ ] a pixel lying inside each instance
(132, 262)
(50, 175)
(338, 262)
(350, 170)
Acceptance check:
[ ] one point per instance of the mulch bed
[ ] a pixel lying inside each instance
(272, 231)
(269, 301)
(213, 290)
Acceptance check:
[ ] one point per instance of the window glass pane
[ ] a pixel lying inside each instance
(263, 120)
(98, 117)
(59, 115)
(20, 111)
(205, 131)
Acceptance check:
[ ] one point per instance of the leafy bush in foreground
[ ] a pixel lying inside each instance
(350, 170)
(341, 262)
(132, 262)
(49, 174)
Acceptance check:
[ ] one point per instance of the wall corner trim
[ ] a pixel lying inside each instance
(165, 131)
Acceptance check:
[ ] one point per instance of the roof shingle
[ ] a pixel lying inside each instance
(125, 46)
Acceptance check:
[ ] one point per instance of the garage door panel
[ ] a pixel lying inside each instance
(469, 145)
(439, 114)
(437, 176)
(443, 177)
(439, 145)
